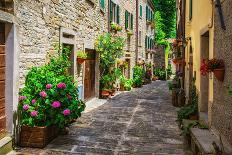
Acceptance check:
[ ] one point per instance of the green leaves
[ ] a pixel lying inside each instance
(36, 80)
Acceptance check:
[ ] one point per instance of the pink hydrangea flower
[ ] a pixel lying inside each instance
(61, 85)
(56, 104)
(48, 86)
(66, 112)
(43, 94)
(25, 107)
(21, 98)
(34, 113)
(33, 101)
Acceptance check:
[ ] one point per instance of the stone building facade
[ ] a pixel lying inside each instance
(28, 36)
(30, 30)
(205, 38)
(222, 107)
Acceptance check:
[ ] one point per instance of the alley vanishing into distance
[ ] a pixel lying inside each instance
(141, 122)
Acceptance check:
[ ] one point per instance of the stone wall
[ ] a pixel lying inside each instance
(159, 56)
(222, 103)
(40, 22)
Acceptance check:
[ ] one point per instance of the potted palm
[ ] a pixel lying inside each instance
(81, 56)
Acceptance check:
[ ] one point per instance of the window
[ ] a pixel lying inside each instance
(128, 20)
(190, 9)
(141, 11)
(149, 14)
(114, 13)
(149, 43)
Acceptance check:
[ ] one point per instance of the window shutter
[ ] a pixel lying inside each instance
(146, 12)
(132, 22)
(102, 4)
(111, 12)
(146, 42)
(126, 19)
(118, 14)
(190, 9)
(141, 11)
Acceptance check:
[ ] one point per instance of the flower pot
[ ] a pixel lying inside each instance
(80, 60)
(105, 93)
(37, 137)
(193, 117)
(219, 74)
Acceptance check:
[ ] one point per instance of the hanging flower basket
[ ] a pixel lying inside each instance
(219, 74)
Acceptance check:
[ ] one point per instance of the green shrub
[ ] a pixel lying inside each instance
(126, 83)
(81, 54)
(50, 96)
(138, 75)
(160, 73)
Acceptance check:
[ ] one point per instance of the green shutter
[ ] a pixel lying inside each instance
(132, 24)
(141, 11)
(190, 9)
(126, 19)
(118, 14)
(111, 11)
(102, 4)
(146, 42)
(146, 12)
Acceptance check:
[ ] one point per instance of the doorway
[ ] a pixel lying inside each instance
(89, 78)
(204, 80)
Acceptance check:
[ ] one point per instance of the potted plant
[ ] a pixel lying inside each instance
(115, 27)
(81, 56)
(214, 65)
(129, 33)
(217, 67)
(48, 102)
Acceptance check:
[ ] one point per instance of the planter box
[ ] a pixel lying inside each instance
(37, 137)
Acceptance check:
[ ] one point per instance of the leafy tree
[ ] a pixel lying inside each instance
(167, 13)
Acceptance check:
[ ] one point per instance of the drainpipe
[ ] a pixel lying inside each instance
(183, 39)
(108, 14)
(137, 32)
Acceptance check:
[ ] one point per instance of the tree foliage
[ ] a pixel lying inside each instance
(167, 13)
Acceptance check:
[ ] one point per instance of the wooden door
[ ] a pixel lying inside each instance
(2, 80)
(2, 90)
(89, 80)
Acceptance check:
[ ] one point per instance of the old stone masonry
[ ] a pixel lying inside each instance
(139, 122)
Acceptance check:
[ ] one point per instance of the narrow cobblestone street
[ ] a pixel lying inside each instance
(138, 122)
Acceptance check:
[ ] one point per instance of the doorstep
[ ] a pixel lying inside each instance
(96, 102)
(5, 145)
(201, 141)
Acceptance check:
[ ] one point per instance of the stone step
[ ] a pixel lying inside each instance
(201, 141)
(5, 145)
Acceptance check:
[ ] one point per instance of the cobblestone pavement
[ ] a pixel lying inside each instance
(140, 122)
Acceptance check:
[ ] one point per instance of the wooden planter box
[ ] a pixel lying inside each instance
(37, 137)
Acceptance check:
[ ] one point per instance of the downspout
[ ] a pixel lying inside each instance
(137, 32)
(108, 14)
(184, 40)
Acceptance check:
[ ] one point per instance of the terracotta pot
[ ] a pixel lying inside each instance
(105, 93)
(37, 137)
(219, 74)
(193, 117)
(80, 60)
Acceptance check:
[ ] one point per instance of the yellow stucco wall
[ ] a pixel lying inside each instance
(201, 22)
